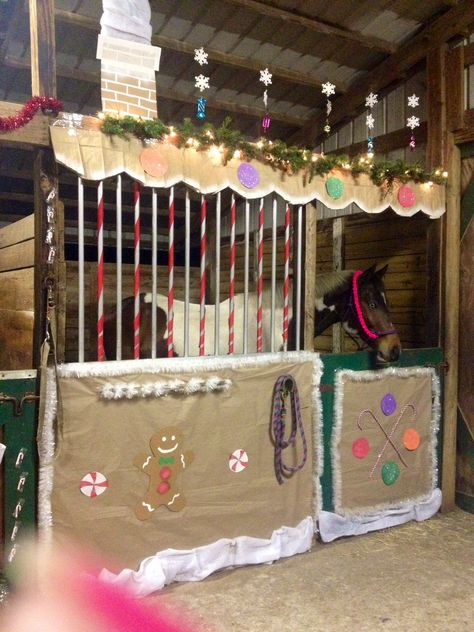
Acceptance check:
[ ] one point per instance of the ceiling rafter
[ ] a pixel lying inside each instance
(367, 41)
(227, 59)
(451, 24)
(174, 95)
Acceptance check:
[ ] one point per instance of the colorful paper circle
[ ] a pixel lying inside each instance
(360, 448)
(248, 175)
(388, 404)
(238, 461)
(390, 472)
(335, 187)
(411, 439)
(93, 484)
(406, 196)
(154, 162)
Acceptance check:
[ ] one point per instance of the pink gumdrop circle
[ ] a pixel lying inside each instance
(360, 448)
(406, 196)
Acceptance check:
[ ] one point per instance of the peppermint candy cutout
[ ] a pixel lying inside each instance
(93, 484)
(238, 461)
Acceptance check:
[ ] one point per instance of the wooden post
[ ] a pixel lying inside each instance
(43, 83)
(338, 265)
(309, 267)
(451, 315)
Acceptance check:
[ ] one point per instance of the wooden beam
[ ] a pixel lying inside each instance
(466, 134)
(455, 89)
(43, 48)
(317, 26)
(170, 43)
(35, 133)
(468, 52)
(173, 95)
(385, 143)
(436, 107)
(451, 316)
(391, 70)
(309, 276)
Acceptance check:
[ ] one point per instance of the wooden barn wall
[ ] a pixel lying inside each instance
(110, 289)
(17, 294)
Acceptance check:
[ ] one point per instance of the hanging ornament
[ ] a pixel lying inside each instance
(201, 82)
(328, 89)
(266, 79)
(370, 102)
(413, 121)
(201, 108)
(200, 56)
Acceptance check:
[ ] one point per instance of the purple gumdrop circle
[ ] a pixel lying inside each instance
(248, 175)
(388, 404)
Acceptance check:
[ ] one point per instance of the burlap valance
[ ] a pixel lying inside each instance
(95, 156)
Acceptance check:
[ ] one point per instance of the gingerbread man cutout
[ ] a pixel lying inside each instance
(163, 467)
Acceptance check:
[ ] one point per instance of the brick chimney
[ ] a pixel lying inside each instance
(128, 83)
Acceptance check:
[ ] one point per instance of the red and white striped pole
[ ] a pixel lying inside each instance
(261, 219)
(100, 272)
(136, 285)
(286, 283)
(170, 273)
(202, 291)
(232, 276)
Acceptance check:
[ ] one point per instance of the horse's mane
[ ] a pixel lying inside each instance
(331, 281)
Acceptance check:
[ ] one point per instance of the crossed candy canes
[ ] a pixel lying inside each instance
(389, 436)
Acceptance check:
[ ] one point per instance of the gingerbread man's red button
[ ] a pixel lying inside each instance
(165, 473)
(163, 487)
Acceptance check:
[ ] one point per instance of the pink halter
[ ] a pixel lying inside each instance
(355, 293)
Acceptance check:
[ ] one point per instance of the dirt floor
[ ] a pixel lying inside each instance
(418, 577)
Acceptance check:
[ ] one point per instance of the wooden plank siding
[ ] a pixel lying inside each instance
(16, 294)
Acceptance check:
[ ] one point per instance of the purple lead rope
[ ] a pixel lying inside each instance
(284, 386)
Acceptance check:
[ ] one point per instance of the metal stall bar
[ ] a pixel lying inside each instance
(217, 313)
(154, 269)
(299, 251)
(170, 318)
(118, 205)
(232, 276)
(286, 283)
(261, 219)
(187, 265)
(202, 288)
(274, 254)
(246, 274)
(136, 281)
(100, 272)
(80, 224)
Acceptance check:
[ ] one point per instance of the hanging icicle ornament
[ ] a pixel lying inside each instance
(413, 121)
(201, 82)
(266, 79)
(328, 89)
(370, 102)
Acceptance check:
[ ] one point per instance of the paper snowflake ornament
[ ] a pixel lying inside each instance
(200, 56)
(413, 121)
(266, 77)
(328, 88)
(202, 82)
(413, 101)
(371, 100)
(370, 121)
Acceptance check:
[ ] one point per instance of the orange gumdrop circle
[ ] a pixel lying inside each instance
(411, 439)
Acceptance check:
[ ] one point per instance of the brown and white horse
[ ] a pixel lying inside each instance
(356, 299)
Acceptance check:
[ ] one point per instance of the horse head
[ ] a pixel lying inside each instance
(370, 316)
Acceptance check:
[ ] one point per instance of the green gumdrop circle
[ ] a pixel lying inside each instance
(390, 472)
(335, 187)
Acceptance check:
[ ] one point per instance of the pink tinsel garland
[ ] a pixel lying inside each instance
(24, 116)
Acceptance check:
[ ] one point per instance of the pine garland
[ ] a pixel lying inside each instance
(288, 158)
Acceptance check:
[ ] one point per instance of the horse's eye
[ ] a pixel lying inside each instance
(372, 305)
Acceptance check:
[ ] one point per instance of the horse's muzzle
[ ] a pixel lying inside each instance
(389, 348)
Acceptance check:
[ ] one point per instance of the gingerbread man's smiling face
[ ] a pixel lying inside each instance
(166, 441)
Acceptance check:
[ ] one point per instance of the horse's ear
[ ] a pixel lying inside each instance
(380, 273)
(369, 272)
